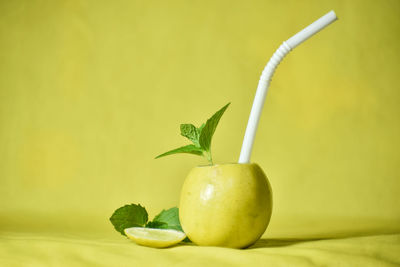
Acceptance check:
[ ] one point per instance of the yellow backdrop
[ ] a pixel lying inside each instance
(92, 91)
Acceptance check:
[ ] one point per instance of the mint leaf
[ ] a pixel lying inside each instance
(129, 216)
(209, 129)
(191, 149)
(190, 132)
(169, 218)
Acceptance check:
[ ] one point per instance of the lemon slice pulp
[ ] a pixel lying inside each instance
(156, 238)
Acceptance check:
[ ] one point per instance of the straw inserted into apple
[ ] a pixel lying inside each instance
(266, 76)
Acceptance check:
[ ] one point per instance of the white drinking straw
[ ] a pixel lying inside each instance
(266, 76)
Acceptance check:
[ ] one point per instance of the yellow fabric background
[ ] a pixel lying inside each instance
(91, 91)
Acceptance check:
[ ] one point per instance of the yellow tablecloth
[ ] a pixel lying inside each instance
(27, 249)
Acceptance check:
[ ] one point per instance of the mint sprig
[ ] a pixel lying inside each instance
(136, 216)
(201, 137)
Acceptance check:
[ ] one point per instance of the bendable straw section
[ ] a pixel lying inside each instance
(259, 100)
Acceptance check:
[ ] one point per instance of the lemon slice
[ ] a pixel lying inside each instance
(156, 238)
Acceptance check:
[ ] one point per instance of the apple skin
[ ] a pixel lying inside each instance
(227, 205)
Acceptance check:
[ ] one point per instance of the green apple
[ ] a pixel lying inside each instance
(226, 205)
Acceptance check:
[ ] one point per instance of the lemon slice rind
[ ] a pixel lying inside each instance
(156, 238)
